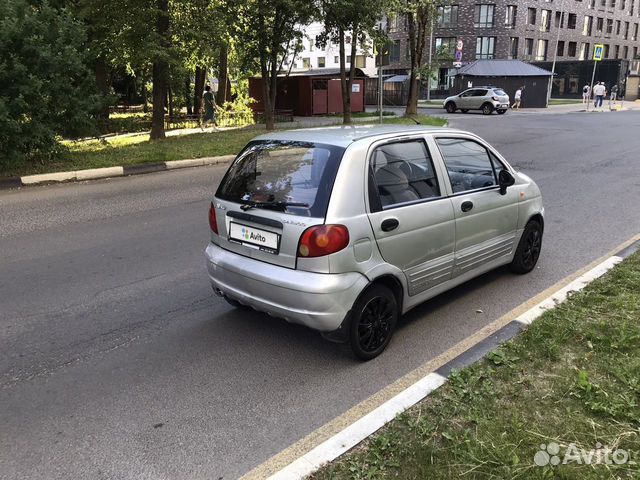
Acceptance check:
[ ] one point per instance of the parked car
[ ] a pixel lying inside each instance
(486, 99)
(345, 229)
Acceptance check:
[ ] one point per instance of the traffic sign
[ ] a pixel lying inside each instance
(598, 52)
(459, 45)
(458, 56)
(457, 64)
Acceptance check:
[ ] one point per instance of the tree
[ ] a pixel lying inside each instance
(47, 89)
(268, 32)
(419, 14)
(359, 18)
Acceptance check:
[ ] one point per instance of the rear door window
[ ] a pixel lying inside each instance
(273, 174)
(402, 172)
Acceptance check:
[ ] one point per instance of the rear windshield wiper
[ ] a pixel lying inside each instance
(248, 204)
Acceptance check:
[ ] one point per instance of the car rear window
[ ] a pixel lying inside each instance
(499, 91)
(283, 171)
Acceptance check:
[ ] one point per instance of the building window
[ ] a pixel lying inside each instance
(559, 21)
(394, 53)
(612, 3)
(545, 20)
(609, 26)
(571, 49)
(588, 23)
(618, 23)
(320, 62)
(394, 23)
(623, 4)
(510, 17)
(599, 25)
(448, 16)
(312, 43)
(635, 52)
(571, 21)
(306, 63)
(592, 4)
(531, 16)
(584, 51)
(513, 48)
(626, 30)
(484, 16)
(625, 51)
(541, 50)
(617, 51)
(485, 47)
(606, 50)
(446, 46)
(560, 49)
(361, 61)
(528, 47)
(336, 59)
(635, 32)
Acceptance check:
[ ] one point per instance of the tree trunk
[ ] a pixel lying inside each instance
(200, 78)
(145, 96)
(223, 74)
(187, 94)
(102, 82)
(160, 73)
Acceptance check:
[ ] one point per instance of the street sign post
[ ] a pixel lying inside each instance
(598, 53)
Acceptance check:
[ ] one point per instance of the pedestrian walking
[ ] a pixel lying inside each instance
(209, 108)
(517, 98)
(586, 93)
(614, 93)
(599, 91)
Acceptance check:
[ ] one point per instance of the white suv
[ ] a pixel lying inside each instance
(486, 99)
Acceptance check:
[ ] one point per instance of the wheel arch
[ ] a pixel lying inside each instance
(538, 218)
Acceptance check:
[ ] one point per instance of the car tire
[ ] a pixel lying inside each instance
(528, 251)
(450, 107)
(464, 110)
(373, 320)
(487, 109)
(500, 112)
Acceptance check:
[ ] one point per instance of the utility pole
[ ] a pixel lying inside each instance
(555, 52)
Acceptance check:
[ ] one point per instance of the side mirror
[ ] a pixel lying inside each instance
(505, 179)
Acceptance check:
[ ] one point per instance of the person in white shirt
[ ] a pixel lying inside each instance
(599, 91)
(586, 93)
(517, 98)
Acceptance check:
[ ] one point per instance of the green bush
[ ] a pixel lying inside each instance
(46, 89)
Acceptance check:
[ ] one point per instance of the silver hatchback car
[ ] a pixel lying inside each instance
(486, 99)
(344, 229)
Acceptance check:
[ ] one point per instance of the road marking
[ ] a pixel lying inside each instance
(306, 453)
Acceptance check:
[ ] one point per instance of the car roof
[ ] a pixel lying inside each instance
(344, 135)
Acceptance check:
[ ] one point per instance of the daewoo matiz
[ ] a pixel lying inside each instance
(344, 229)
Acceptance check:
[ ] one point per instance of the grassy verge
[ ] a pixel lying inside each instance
(570, 383)
(132, 150)
(564, 101)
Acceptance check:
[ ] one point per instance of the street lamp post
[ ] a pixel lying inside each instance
(555, 53)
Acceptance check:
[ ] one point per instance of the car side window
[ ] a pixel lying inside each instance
(468, 164)
(403, 172)
(480, 93)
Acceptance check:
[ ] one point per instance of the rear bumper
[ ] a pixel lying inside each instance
(317, 300)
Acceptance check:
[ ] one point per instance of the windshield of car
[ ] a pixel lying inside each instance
(294, 177)
(499, 91)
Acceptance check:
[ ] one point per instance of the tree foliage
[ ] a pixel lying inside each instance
(46, 88)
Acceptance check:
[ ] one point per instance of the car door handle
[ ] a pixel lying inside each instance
(466, 206)
(389, 224)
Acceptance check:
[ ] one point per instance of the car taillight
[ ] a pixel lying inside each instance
(323, 240)
(213, 221)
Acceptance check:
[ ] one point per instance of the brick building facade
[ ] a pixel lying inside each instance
(525, 30)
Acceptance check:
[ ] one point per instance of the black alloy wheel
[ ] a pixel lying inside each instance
(529, 248)
(374, 319)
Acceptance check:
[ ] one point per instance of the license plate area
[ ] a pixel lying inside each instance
(252, 237)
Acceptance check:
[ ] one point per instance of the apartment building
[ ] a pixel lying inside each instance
(314, 57)
(525, 30)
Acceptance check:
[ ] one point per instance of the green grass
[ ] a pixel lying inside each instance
(420, 119)
(564, 101)
(385, 113)
(573, 377)
(135, 150)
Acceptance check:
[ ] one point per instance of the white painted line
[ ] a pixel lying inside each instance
(359, 430)
(561, 295)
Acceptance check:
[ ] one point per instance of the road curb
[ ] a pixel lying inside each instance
(302, 463)
(110, 172)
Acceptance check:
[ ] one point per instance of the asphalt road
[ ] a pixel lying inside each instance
(117, 362)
